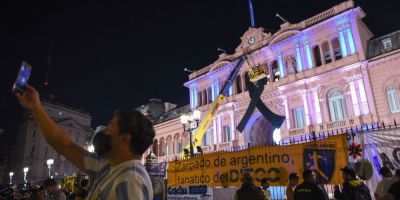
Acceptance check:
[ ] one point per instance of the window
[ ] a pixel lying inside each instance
(336, 49)
(317, 56)
(239, 84)
(275, 71)
(337, 105)
(327, 52)
(46, 151)
(205, 97)
(387, 44)
(209, 95)
(207, 137)
(299, 117)
(393, 99)
(199, 99)
(227, 134)
(178, 146)
(32, 151)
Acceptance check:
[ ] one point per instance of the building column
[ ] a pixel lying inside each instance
(281, 66)
(214, 124)
(287, 113)
(363, 97)
(299, 64)
(219, 128)
(354, 99)
(342, 42)
(232, 125)
(318, 114)
(306, 111)
(308, 55)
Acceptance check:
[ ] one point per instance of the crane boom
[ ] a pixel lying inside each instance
(207, 119)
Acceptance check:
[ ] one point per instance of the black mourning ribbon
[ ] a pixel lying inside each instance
(255, 91)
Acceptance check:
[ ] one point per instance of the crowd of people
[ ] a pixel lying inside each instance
(353, 188)
(48, 190)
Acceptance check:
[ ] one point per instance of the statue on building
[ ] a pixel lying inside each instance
(291, 65)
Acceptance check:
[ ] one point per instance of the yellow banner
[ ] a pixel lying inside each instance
(326, 156)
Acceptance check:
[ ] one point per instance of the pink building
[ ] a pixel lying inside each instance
(325, 73)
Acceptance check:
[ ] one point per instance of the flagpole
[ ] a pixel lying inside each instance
(251, 14)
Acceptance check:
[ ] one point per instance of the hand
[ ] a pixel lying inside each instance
(29, 99)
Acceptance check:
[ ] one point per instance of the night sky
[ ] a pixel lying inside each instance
(110, 54)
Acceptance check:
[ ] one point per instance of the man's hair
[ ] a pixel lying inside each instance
(384, 171)
(263, 181)
(247, 178)
(398, 172)
(307, 174)
(140, 128)
(49, 182)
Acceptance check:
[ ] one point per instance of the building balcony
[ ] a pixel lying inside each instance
(330, 126)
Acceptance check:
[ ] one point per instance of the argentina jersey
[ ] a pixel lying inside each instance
(128, 180)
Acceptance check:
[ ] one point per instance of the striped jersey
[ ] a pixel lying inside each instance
(128, 180)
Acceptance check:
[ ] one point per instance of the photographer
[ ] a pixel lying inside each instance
(117, 169)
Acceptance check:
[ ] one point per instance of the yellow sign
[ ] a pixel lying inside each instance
(325, 156)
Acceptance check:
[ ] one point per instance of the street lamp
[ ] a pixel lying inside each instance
(49, 163)
(11, 175)
(26, 169)
(191, 122)
(90, 148)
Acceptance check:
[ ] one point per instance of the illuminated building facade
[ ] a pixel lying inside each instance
(324, 73)
(32, 151)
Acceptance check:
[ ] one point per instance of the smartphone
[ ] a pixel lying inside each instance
(22, 78)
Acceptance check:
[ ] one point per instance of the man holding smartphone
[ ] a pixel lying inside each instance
(118, 173)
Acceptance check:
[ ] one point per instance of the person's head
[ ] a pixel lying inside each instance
(385, 172)
(50, 185)
(264, 183)
(398, 173)
(129, 131)
(293, 179)
(309, 175)
(348, 173)
(247, 178)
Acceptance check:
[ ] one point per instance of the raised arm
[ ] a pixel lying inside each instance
(53, 133)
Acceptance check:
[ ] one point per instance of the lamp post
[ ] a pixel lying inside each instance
(11, 175)
(49, 163)
(90, 148)
(26, 169)
(191, 122)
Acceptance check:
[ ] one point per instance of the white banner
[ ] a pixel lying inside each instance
(198, 192)
(381, 148)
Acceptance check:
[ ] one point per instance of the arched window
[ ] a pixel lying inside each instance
(177, 144)
(317, 56)
(327, 52)
(199, 99)
(243, 77)
(207, 138)
(239, 84)
(393, 100)
(155, 147)
(226, 133)
(337, 105)
(169, 145)
(162, 147)
(209, 95)
(275, 71)
(205, 97)
(336, 49)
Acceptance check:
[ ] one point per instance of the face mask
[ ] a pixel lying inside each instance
(101, 143)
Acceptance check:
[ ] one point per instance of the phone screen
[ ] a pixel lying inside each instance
(22, 78)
